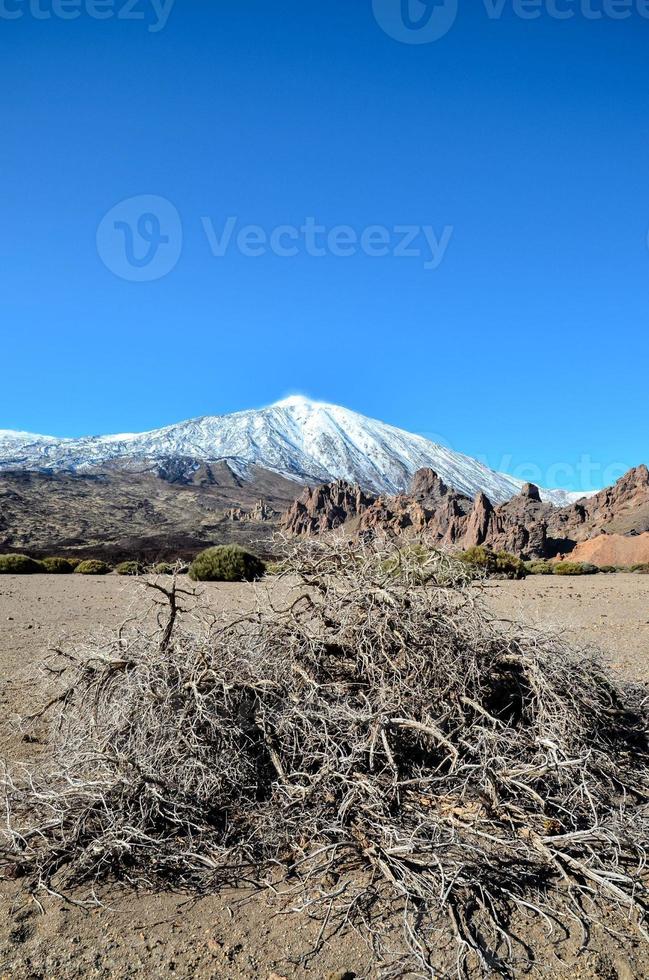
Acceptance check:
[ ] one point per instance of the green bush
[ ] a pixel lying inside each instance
(129, 568)
(226, 563)
(510, 565)
(575, 568)
(19, 565)
(567, 568)
(641, 569)
(275, 568)
(479, 556)
(494, 563)
(609, 569)
(539, 568)
(589, 569)
(163, 568)
(92, 567)
(59, 566)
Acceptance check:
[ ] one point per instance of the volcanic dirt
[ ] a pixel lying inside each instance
(245, 934)
(608, 612)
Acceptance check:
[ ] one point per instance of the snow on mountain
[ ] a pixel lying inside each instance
(297, 438)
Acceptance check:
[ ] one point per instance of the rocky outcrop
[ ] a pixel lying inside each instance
(394, 514)
(326, 507)
(613, 550)
(431, 506)
(260, 513)
(518, 526)
(452, 520)
(530, 492)
(427, 487)
(524, 525)
(479, 523)
(620, 509)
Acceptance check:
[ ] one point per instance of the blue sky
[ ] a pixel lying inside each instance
(519, 147)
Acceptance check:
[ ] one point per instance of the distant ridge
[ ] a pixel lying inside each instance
(296, 438)
(609, 528)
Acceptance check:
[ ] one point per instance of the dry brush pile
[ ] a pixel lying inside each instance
(377, 747)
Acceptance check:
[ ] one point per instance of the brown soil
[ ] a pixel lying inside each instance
(240, 934)
(613, 549)
(610, 612)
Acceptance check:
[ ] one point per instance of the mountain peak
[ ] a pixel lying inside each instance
(300, 439)
(297, 401)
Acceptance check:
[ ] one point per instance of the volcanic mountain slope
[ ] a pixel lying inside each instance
(524, 525)
(298, 439)
(114, 514)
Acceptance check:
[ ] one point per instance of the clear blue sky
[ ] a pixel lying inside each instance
(529, 138)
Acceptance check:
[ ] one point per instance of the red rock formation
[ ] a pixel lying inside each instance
(431, 506)
(620, 509)
(326, 507)
(523, 525)
(612, 549)
(477, 529)
(260, 513)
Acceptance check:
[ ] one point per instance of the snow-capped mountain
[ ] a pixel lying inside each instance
(296, 438)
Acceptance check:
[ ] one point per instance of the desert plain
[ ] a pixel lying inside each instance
(244, 934)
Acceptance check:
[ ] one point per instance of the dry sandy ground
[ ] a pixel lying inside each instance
(165, 935)
(610, 612)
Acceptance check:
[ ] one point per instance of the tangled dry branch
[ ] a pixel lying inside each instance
(374, 746)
